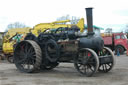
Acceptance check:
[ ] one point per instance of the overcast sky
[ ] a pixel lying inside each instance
(106, 13)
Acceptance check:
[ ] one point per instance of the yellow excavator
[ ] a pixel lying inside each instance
(10, 38)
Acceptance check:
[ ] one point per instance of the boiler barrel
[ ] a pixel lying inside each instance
(93, 42)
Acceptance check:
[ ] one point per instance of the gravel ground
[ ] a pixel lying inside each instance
(65, 74)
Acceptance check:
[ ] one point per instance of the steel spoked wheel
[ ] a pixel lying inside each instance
(107, 54)
(86, 62)
(27, 56)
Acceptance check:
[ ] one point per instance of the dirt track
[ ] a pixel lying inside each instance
(64, 74)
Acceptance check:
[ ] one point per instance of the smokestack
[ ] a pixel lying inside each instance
(89, 21)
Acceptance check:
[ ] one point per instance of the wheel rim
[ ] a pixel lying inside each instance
(87, 62)
(106, 67)
(25, 57)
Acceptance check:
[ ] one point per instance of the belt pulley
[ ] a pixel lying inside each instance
(52, 51)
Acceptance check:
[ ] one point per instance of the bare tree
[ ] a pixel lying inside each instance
(16, 25)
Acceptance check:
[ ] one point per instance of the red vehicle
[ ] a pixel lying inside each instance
(116, 41)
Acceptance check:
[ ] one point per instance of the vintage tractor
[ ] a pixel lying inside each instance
(64, 44)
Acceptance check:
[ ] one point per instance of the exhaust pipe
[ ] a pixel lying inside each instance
(89, 21)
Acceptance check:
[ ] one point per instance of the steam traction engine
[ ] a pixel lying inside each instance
(52, 47)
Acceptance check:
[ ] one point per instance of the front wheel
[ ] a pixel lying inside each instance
(86, 62)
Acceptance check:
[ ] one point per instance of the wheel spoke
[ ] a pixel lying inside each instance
(33, 61)
(32, 54)
(105, 67)
(26, 48)
(28, 65)
(109, 65)
(91, 68)
(30, 50)
(32, 58)
(20, 55)
(85, 69)
(22, 61)
(23, 64)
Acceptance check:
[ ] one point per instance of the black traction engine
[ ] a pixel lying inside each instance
(64, 44)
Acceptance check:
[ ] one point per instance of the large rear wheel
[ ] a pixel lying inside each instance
(27, 56)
